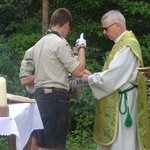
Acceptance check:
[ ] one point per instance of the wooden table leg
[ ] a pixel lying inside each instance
(12, 142)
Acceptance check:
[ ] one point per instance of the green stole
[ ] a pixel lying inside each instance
(107, 109)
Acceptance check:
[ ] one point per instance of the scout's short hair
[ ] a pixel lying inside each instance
(60, 17)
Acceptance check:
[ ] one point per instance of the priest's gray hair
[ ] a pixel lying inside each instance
(114, 16)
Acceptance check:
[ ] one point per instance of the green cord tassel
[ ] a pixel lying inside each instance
(128, 121)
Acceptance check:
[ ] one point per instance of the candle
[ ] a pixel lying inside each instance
(3, 94)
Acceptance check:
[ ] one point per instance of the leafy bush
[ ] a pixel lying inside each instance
(11, 54)
(3, 143)
(81, 121)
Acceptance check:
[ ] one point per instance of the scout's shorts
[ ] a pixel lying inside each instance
(54, 111)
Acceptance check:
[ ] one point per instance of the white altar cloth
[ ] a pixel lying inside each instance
(23, 119)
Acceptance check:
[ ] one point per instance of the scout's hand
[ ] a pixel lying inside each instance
(81, 41)
(86, 74)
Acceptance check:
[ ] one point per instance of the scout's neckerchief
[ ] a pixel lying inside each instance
(107, 109)
(48, 31)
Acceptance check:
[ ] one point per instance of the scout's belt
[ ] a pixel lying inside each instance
(49, 90)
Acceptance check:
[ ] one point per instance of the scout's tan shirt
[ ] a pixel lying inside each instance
(27, 68)
(53, 61)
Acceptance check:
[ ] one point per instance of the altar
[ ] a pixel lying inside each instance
(22, 120)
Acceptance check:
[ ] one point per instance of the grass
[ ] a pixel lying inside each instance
(87, 144)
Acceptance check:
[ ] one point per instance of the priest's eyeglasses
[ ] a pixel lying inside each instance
(106, 28)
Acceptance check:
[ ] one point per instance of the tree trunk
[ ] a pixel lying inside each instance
(45, 10)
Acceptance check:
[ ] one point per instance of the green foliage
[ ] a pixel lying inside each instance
(140, 7)
(11, 54)
(3, 143)
(81, 121)
(145, 40)
(75, 143)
